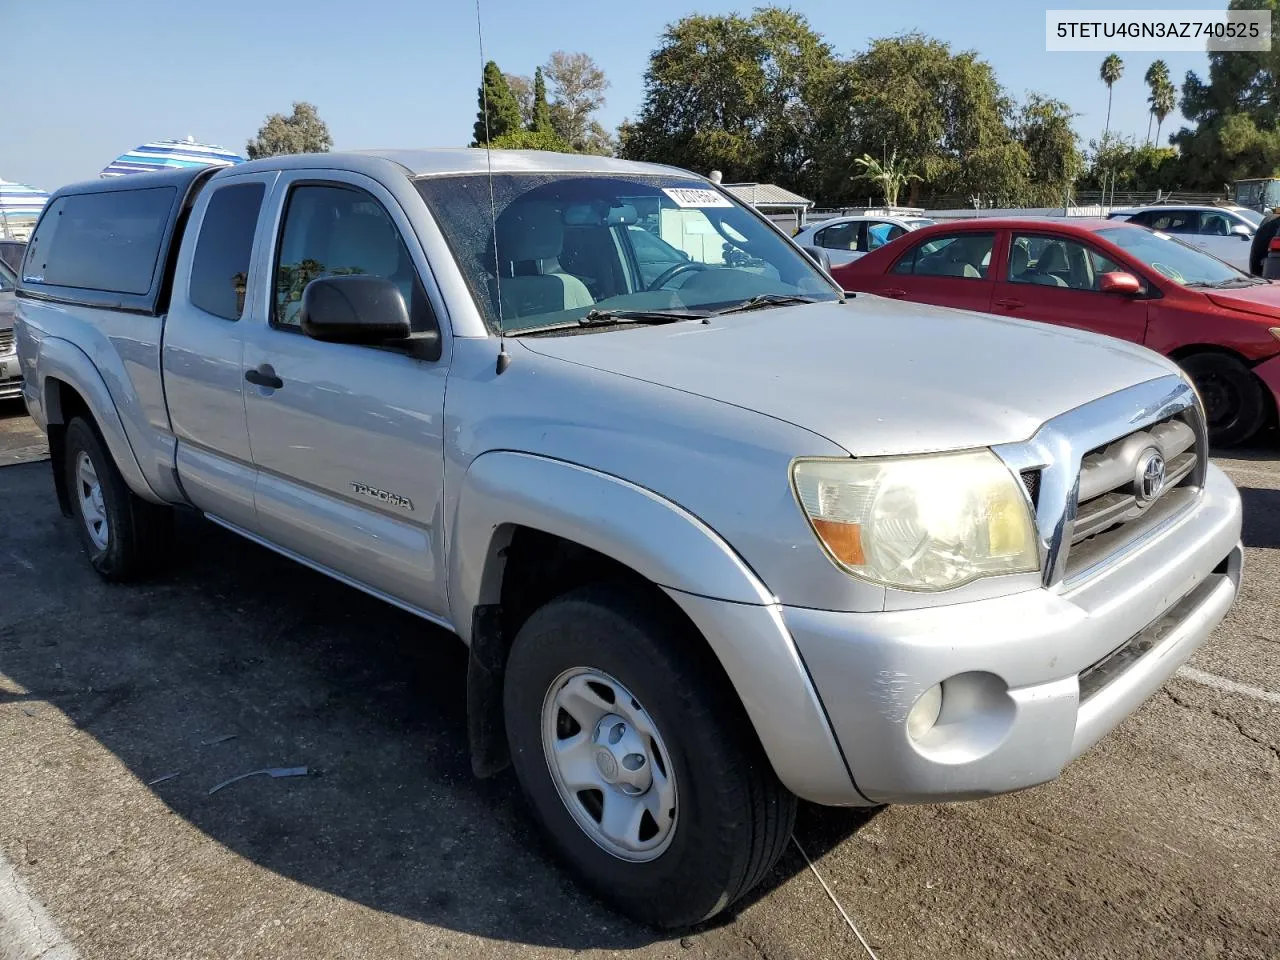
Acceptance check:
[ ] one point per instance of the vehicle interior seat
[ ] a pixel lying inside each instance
(1019, 263)
(1052, 262)
(530, 242)
(1215, 225)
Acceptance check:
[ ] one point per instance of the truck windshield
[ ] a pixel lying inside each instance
(566, 245)
(8, 281)
(1169, 258)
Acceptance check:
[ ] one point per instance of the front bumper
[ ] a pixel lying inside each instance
(1016, 708)
(10, 377)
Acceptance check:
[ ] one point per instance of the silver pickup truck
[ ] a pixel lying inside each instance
(717, 534)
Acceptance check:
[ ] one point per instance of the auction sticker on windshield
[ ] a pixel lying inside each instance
(694, 197)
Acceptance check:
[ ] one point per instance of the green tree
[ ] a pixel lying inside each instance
(1110, 72)
(1044, 130)
(1163, 100)
(579, 85)
(540, 109)
(1129, 166)
(522, 90)
(1156, 77)
(1235, 113)
(890, 175)
(301, 132)
(944, 110)
(499, 112)
(743, 95)
(531, 140)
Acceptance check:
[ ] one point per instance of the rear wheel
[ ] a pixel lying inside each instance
(1234, 401)
(638, 759)
(124, 535)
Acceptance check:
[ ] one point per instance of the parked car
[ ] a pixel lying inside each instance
(845, 239)
(712, 546)
(10, 375)
(1223, 232)
(1111, 277)
(11, 252)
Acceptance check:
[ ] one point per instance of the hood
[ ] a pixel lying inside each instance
(1262, 299)
(875, 376)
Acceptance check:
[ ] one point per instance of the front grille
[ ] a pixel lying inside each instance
(1120, 496)
(1031, 480)
(6, 341)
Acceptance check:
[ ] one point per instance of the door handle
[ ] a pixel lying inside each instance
(1010, 304)
(896, 292)
(264, 376)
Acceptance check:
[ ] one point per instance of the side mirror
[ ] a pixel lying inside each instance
(1241, 231)
(1124, 284)
(354, 309)
(819, 257)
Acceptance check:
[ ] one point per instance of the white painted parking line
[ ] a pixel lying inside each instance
(27, 932)
(1228, 686)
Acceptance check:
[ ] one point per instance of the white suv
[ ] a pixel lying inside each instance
(1222, 232)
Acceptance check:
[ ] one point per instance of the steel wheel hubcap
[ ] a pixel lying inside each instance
(93, 508)
(609, 764)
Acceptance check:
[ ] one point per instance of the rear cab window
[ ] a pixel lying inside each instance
(101, 241)
(220, 268)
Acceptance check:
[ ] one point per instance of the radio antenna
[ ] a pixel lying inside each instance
(504, 359)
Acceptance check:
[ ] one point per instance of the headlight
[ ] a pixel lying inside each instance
(920, 523)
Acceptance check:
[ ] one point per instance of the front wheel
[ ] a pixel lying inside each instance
(1235, 405)
(638, 759)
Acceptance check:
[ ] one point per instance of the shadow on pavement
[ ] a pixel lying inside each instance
(303, 672)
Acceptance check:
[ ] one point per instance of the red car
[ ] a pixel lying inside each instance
(1221, 325)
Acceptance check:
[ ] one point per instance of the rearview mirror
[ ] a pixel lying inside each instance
(819, 257)
(1241, 231)
(354, 309)
(1125, 284)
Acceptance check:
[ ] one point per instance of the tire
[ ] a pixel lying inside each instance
(125, 536)
(732, 816)
(1235, 404)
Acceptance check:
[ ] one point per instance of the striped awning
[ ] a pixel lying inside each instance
(171, 155)
(19, 206)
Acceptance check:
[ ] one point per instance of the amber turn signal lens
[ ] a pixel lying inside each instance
(844, 540)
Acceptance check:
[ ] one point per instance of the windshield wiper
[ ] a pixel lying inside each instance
(611, 318)
(606, 318)
(764, 300)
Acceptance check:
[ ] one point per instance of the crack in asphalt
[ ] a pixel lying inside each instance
(1222, 715)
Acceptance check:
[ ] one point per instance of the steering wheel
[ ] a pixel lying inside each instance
(668, 275)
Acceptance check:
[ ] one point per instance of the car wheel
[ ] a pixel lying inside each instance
(638, 759)
(124, 535)
(1235, 405)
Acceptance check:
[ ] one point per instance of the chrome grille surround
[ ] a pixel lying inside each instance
(1085, 520)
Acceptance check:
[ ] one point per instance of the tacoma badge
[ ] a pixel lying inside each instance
(393, 499)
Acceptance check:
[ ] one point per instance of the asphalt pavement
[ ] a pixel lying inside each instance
(123, 707)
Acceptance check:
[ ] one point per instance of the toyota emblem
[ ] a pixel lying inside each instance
(1150, 480)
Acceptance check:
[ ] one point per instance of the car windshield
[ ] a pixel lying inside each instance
(922, 222)
(1253, 216)
(1172, 258)
(8, 280)
(566, 246)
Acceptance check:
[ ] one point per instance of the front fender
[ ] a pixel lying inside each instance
(732, 609)
(61, 360)
(657, 539)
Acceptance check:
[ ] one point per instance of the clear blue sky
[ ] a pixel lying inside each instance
(85, 85)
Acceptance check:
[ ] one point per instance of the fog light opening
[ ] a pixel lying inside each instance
(925, 712)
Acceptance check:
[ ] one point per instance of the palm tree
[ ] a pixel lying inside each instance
(1112, 70)
(1163, 99)
(1157, 76)
(889, 175)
